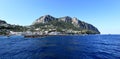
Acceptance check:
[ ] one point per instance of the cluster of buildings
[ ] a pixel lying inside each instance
(45, 32)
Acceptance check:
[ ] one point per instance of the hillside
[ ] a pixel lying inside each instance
(64, 23)
(5, 28)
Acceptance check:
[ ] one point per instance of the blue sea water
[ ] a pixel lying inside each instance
(61, 47)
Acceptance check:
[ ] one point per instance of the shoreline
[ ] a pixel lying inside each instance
(39, 36)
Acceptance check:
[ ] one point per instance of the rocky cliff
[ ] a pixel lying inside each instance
(69, 21)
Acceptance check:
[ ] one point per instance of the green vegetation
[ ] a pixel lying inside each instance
(88, 32)
(59, 25)
(4, 30)
(18, 28)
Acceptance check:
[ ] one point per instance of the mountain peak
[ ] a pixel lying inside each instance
(47, 15)
(44, 19)
(65, 19)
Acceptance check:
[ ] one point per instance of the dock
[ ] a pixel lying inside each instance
(34, 36)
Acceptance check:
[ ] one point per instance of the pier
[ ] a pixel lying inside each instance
(34, 36)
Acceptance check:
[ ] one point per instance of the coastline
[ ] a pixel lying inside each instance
(46, 35)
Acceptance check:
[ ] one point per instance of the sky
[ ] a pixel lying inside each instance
(103, 14)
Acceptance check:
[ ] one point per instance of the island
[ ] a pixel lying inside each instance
(49, 25)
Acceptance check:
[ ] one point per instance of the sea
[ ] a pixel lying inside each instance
(61, 47)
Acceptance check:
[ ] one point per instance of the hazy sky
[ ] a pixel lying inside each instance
(103, 14)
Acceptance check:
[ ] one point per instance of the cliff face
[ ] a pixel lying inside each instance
(74, 21)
